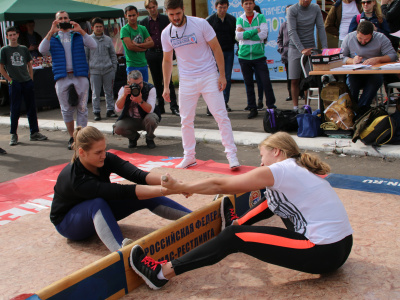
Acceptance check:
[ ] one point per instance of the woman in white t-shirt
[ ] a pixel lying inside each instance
(318, 236)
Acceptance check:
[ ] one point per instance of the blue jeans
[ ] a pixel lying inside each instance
(260, 67)
(370, 85)
(143, 70)
(18, 91)
(228, 57)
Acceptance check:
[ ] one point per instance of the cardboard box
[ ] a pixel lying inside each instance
(324, 59)
(327, 66)
(327, 55)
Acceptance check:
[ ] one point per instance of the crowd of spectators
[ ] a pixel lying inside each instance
(143, 47)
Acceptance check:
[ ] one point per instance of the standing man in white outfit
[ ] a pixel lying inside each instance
(199, 58)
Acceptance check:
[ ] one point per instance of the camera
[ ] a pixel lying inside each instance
(135, 89)
(65, 25)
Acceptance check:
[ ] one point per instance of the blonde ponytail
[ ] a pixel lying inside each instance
(284, 142)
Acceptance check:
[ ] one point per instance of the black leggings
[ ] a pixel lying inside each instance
(278, 246)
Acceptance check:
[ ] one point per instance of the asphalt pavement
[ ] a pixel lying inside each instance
(28, 157)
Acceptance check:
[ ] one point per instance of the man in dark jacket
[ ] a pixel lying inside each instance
(137, 104)
(30, 39)
(224, 25)
(155, 24)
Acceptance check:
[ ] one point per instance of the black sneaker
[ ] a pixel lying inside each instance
(289, 98)
(260, 105)
(150, 144)
(228, 109)
(97, 116)
(227, 213)
(146, 267)
(253, 113)
(246, 108)
(132, 143)
(71, 143)
(2, 151)
(208, 112)
(111, 114)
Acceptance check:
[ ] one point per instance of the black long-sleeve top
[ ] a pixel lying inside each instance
(76, 184)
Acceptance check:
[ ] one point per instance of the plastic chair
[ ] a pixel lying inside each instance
(312, 92)
(392, 93)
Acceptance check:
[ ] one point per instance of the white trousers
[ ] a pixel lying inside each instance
(190, 90)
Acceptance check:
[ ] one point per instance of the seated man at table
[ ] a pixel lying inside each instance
(368, 47)
(137, 104)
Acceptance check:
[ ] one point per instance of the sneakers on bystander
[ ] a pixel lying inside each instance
(71, 143)
(186, 163)
(14, 139)
(37, 136)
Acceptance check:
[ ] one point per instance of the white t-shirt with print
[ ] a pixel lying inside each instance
(309, 202)
(190, 42)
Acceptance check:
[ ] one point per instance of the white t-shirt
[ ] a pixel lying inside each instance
(133, 109)
(190, 42)
(309, 202)
(349, 10)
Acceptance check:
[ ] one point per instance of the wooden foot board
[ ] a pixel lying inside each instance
(111, 277)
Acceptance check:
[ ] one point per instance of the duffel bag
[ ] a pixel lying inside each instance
(280, 120)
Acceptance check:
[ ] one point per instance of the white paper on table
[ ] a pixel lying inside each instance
(351, 67)
(393, 66)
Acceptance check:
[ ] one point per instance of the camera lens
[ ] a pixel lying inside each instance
(135, 92)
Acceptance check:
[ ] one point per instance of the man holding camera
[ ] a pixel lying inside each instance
(137, 104)
(66, 42)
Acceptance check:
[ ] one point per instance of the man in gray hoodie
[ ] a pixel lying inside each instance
(102, 67)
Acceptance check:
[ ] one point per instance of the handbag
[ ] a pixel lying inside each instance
(309, 124)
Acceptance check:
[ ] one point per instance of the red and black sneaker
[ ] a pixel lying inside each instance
(227, 213)
(146, 267)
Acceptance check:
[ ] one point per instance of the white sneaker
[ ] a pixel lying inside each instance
(186, 163)
(233, 163)
(126, 242)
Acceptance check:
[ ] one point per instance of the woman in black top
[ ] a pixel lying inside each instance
(86, 202)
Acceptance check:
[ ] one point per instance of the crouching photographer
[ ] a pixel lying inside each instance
(137, 101)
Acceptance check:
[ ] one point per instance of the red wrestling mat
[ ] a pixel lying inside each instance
(31, 193)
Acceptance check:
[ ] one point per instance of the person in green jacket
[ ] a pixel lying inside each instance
(251, 32)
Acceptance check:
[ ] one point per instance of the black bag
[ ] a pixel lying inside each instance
(379, 132)
(366, 119)
(73, 98)
(280, 120)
